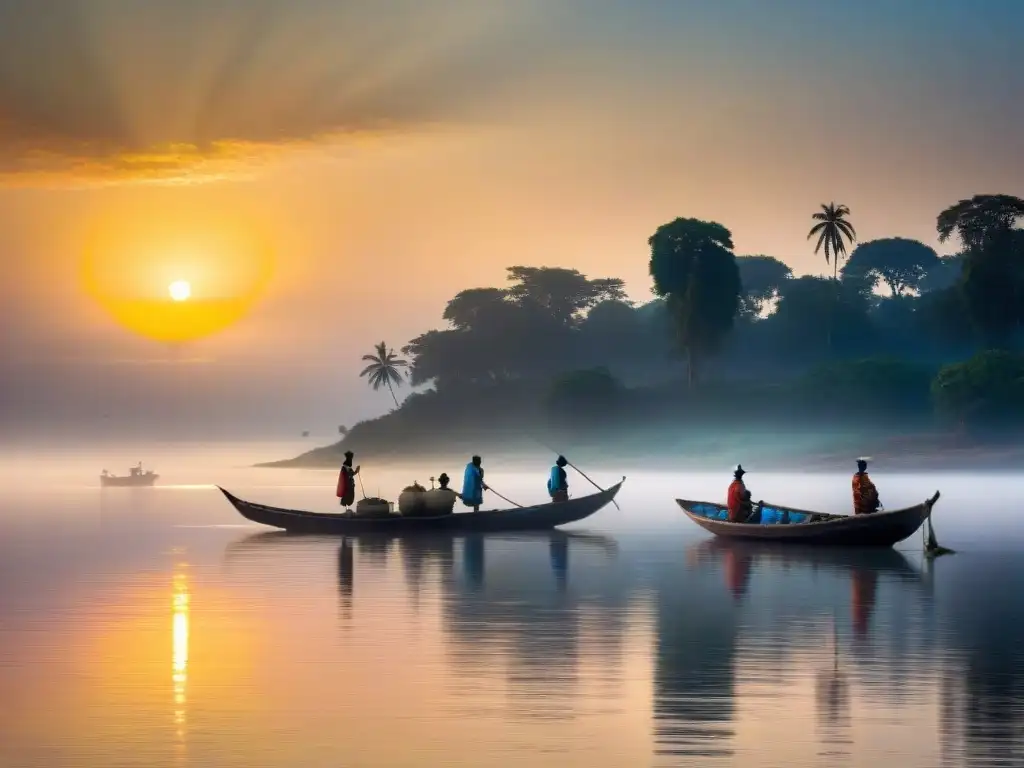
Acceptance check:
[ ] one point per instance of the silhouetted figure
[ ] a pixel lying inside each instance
(865, 495)
(558, 481)
(347, 481)
(473, 485)
(443, 481)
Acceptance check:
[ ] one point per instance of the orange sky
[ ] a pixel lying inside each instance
(389, 157)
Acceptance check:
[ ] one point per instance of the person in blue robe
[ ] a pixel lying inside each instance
(473, 485)
(558, 481)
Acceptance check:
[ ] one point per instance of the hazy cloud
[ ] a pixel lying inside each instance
(186, 90)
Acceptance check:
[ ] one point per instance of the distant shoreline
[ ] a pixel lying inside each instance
(908, 454)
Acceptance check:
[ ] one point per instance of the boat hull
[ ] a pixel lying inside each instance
(540, 517)
(140, 481)
(879, 529)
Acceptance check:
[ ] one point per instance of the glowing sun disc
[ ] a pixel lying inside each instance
(179, 290)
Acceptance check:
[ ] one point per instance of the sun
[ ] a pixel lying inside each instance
(180, 290)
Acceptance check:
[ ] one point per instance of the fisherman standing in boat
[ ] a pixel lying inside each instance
(865, 495)
(736, 497)
(347, 481)
(558, 481)
(473, 485)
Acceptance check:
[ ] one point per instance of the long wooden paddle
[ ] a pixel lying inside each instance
(559, 453)
(489, 488)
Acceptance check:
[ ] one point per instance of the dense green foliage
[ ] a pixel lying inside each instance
(985, 392)
(559, 351)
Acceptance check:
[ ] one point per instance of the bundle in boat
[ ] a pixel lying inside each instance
(373, 507)
(439, 501)
(411, 502)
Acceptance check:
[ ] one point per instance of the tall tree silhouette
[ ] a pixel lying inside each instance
(383, 369)
(693, 267)
(833, 228)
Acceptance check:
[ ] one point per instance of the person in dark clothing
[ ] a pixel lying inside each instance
(347, 481)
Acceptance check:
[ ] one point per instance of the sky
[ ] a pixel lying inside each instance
(328, 173)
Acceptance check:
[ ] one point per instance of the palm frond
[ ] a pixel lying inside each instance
(820, 241)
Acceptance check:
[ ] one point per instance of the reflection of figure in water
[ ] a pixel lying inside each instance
(473, 560)
(864, 583)
(832, 696)
(558, 481)
(346, 575)
(558, 548)
(737, 571)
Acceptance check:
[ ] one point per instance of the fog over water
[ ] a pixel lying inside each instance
(155, 626)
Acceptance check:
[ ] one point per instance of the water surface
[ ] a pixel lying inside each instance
(156, 627)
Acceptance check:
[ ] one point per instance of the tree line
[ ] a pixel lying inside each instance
(746, 317)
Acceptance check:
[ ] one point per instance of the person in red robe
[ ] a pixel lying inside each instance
(347, 481)
(736, 497)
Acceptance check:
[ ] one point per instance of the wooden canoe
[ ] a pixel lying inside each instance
(536, 518)
(880, 529)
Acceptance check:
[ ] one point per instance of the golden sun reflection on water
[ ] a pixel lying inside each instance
(179, 663)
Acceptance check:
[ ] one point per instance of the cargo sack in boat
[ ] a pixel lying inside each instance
(411, 501)
(373, 507)
(439, 501)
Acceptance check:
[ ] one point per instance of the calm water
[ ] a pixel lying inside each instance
(154, 627)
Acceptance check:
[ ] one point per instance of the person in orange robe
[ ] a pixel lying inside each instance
(735, 498)
(865, 495)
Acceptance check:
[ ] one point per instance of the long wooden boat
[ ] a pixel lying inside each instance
(799, 526)
(539, 517)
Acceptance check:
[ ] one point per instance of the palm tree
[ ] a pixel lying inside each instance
(383, 369)
(831, 228)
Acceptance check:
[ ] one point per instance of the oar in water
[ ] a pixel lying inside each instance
(578, 470)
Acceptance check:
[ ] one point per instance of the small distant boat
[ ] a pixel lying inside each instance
(539, 517)
(786, 525)
(136, 477)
